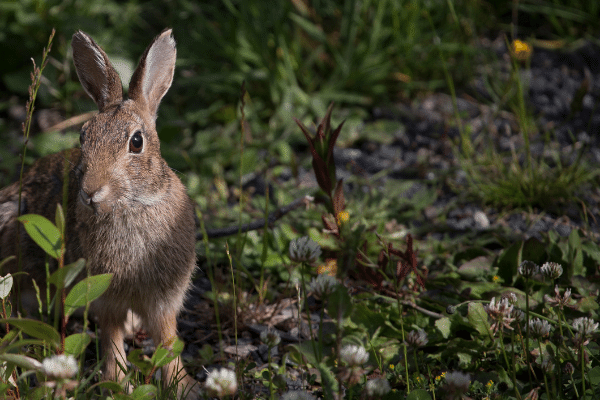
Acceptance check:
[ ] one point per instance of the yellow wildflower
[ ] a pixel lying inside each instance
(342, 217)
(490, 384)
(330, 267)
(521, 50)
(496, 278)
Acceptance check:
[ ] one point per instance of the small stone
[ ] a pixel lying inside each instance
(481, 220)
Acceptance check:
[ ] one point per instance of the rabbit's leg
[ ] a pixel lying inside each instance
(112, 335)
(164, 332)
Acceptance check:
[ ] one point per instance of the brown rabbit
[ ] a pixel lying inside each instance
(128, 214)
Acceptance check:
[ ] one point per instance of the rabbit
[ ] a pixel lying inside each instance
(128, 213)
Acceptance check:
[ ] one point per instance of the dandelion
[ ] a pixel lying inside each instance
(353, 355)
(416, 338)
(221, 383)
(297, 395)
(528, 269)
(552, 270)
(495, 278)
(60, 367)
(457, 384)
(558, 300)
(270, 337)
(377, 387)
(392, 367)
(500, 313)
(323, 286)
(330, 267)
(539, 328)
(304, 249)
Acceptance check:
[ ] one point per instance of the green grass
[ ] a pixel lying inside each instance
(295, 58)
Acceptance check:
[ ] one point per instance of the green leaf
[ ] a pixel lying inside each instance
(86, 291)
(478, 319)
(63, 277)
(114, 387)
(36, 329)
(370, 319)
(443, 325)
(43, 232)
(594, 376)
(5, 285)
(164, 355)
(419, 394)
(137, 358)
(21, 361)
(76, 344)
(508, 262)
(330, 385)
(339, 304)
(144, 392)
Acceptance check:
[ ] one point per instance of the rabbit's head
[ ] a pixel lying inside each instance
(120, 163)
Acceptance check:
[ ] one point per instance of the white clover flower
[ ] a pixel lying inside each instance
(528, 268)
(457, 383)
(511, 297)
(270, 337)
(297, 395)
(416, 338)
(585, 325)
(353, 355)
(377, 387)
(539, 328)
(323, 285)
(500, 313)
(61, 366)
(304, 249)
(558, 300)
(552, 270)
(221, 383)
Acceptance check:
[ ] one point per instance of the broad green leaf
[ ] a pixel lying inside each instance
(43, 232)
(6, 283)
(36, 329)
(75, 344)
(21, 361)
(144, 392)
(339, 304)
(137, 358)
(164, 355)
(475, 269)
(66, 274)
(443, 325)
(594, 376)
(86, 291)
(370, 319)
(478, 319)
(509, 261)
(419, 394)
(534, 250)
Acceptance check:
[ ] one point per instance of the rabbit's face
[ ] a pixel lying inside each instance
(120, 162)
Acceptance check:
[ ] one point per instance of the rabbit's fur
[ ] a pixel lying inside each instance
(128, 212)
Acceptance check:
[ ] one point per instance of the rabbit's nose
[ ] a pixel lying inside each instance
(93, 199)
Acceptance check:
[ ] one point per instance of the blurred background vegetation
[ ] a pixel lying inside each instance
(296, 56)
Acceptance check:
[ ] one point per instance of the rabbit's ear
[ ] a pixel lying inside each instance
(153, 76)
(96, 74)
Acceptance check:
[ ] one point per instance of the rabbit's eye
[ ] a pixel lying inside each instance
(136, 142)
